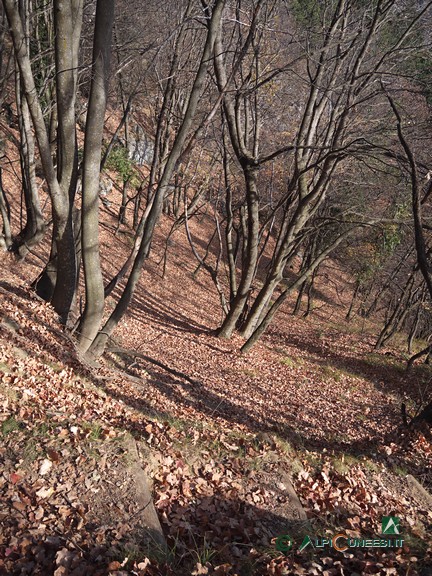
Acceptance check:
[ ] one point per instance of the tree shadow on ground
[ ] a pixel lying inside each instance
(18, 291)
(194, 397)
(387, 373)
(250, 540)
(222, 530)
(163, 313)
(190, 393)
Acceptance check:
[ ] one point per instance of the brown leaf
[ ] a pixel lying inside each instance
(15, 478)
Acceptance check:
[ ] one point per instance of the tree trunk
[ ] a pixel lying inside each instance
(397, 316)
(413, 330)
(34, 228)
(61, 207)
(156, 204)
(276, 273)
(238, 303)
(67, 21)
(94, 287)
(230, 223)
(5, 214)
(271, 310)
(237, 121)
(299, 299)
(353, 300)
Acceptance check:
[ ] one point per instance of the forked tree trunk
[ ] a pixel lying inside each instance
(238, 121)
(63, 236)
(273, 308)
(242, 294)
(398, 314)
(34, 227)
(261, 303)
(67, 21)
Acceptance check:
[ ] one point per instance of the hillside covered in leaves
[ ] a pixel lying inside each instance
(221, 436)
(216, 287)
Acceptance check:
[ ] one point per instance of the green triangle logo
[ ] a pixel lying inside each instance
(390, 525)
(306, 541)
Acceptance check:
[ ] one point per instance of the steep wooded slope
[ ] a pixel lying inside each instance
(220, 432)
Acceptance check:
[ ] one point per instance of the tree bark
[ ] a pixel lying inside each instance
(62, 216)
(34, 228)
(156, 205)
(243, 292)
(247, 155)
(5, 214)
(94, 287)
(67, 21)
(265, 322)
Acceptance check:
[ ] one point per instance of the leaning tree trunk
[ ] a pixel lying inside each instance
(6, 238)
(154, 213)
(415, 323)
(273, 308)
(262, 301)
(423, 253)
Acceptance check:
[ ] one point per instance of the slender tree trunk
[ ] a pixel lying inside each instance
(413, 331)
(397, 316)
(238, 304)
(5, 214)
(309, 296)
(299, 299)
(276, 274)
(156, 204)
(94, 287)
(140, 224)
(353, 300)
(34, 228)
(122, 210)
(271, 311)
(61, 207)
(115, 136)
(230, 224)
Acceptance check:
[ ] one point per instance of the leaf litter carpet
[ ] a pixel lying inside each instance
(220, 435)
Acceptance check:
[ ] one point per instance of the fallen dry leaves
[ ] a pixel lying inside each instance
(311, 400)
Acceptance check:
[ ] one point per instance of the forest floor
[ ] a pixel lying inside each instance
(220, 435)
